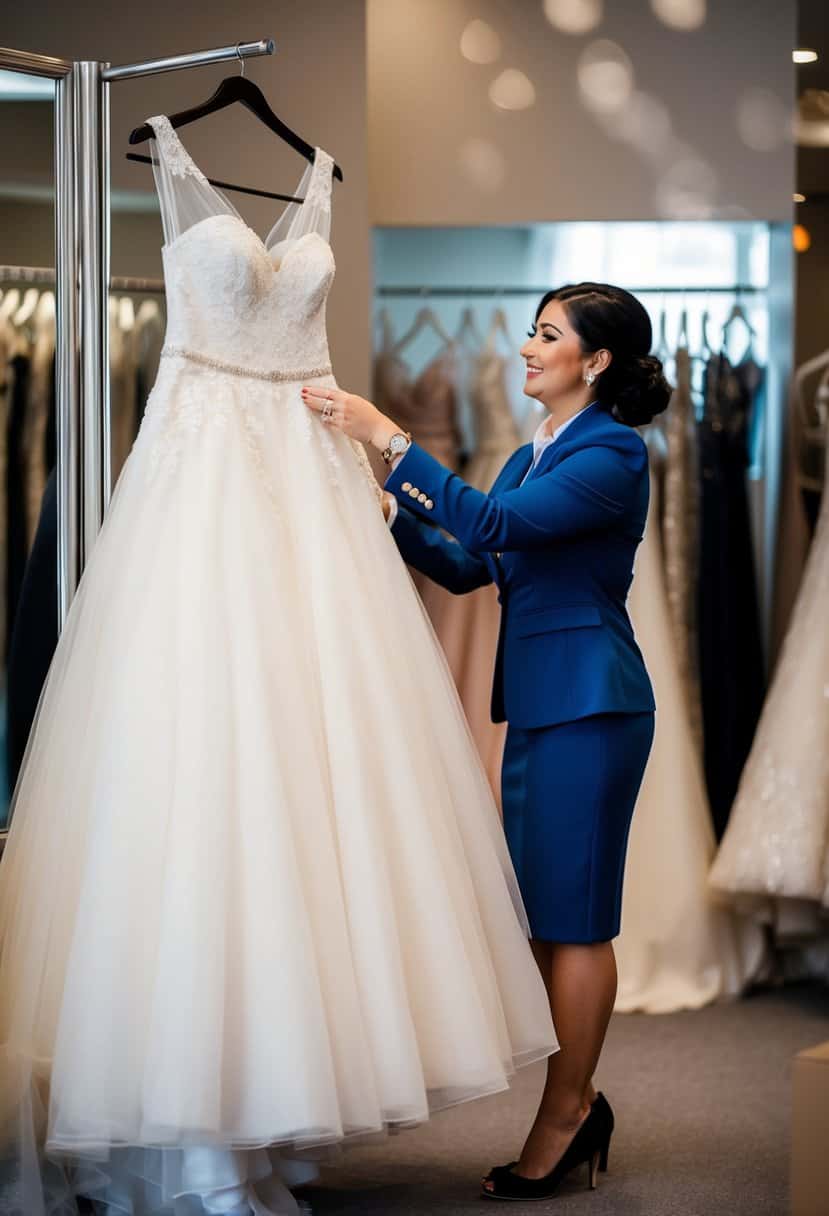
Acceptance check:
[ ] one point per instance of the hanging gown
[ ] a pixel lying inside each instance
(730, 646)
(680, 527)
(678, 948)
(468, 625)
(774, 857)
(256, 891)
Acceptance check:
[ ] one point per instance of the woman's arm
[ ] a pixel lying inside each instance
(438, 557)
(586, 492)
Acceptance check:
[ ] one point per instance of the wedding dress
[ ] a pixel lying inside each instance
(774, 857)
(678, 948)
(256, 891)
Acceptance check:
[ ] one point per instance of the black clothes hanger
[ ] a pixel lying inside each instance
(235, 89)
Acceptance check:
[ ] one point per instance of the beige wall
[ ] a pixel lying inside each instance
(442, 153)
(315, 81)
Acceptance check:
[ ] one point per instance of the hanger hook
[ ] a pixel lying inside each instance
(241, 59)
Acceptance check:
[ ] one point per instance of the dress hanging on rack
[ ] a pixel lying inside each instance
(468, 625)
(730, 648)
(774, 857)
(680, 528)
(40, 411)
(255, 892)
(678, 948)
(122, 379)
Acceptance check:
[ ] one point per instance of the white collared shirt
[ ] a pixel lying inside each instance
(542, 439)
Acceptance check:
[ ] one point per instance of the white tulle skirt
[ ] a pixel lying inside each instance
(256, 891)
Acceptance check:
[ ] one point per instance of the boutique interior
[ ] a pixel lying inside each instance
(489, 152)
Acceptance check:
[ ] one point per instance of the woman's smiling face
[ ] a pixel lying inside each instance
(556, 363)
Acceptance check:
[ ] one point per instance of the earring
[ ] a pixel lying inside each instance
(589, 378)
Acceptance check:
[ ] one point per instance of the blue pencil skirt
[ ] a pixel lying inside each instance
(568, 795)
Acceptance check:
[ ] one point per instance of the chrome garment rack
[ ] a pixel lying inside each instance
(82, 281)
(388, 292)
(45, 276)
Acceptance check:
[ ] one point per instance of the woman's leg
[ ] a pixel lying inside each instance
(581, 984)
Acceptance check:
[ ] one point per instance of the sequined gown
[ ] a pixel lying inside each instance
(679, 948)
(774, 857)
(256, 891)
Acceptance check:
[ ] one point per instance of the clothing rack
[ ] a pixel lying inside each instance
(44, 276)
(737, 289)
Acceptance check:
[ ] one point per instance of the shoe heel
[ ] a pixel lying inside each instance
(603, 1156)
(592, 1171)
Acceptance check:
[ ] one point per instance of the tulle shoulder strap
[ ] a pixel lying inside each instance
(313, 214)
(184, 193)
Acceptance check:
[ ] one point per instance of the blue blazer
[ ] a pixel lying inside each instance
(560, 549)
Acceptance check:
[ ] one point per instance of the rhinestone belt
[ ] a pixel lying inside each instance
(250, 373)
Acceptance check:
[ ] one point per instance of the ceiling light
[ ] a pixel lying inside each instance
(798, 198)
(804, 54)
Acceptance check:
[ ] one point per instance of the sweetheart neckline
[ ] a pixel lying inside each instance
(226, 215)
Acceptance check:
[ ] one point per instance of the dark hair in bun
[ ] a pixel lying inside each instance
(632, 387)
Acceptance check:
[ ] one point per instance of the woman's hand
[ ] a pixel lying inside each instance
(351, 414)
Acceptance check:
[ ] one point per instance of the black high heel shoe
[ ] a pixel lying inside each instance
(589, 1146)
(605, 1123)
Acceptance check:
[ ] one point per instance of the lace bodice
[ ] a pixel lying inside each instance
(232, 297)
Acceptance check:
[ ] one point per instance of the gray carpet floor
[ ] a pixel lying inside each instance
(702, 1103)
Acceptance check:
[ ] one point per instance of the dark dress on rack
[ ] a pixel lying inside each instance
(17, 540)
(35, 634)
(730, 644)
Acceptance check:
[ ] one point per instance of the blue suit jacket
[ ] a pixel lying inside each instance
(560, 549)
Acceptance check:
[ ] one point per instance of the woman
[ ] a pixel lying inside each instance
(557, 533)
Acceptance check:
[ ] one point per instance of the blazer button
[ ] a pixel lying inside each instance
(407, 485)
(413, 493)
(421, 498)
(428, 504)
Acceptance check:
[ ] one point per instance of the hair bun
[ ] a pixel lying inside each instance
(641, 390)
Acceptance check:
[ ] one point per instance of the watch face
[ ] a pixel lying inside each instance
(398, 443)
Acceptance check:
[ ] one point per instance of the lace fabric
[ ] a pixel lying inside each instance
(777, 841)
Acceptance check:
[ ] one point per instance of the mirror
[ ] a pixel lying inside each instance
(28, 423)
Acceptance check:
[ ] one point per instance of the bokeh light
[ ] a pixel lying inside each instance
(482, 163)
(644, 122)
(480, 43)
(681, 14)
(763, 122)
(512, 90)
(804, 54)
(801, 238)
(605, 76)
(574, 16)
(687, 190)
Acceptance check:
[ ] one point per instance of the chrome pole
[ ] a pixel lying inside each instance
(93, 220)
(67, 351)
(194, 59)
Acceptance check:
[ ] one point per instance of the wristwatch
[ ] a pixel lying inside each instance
(399, 444)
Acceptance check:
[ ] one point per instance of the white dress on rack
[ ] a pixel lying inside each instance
(678, 948)
(256, 891)
(774, 857)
